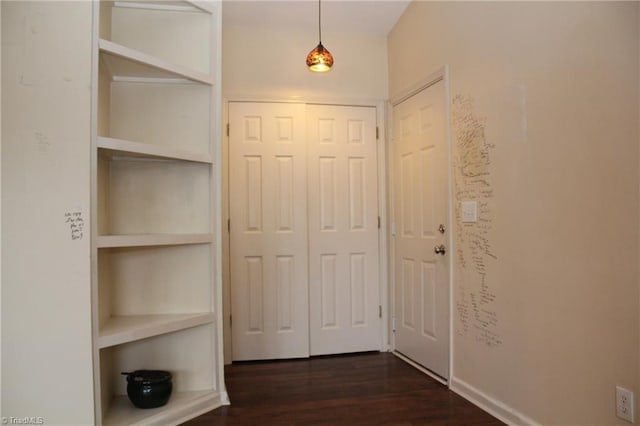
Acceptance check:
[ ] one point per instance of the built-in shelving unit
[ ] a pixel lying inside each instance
(156, 233)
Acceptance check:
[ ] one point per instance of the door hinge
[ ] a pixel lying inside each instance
(393, 324)
(230, 320)
(229, 225)
(227, 129)
(378, 222)
(377, 133)
(379, 311)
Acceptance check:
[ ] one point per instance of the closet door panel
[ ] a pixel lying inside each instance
(343, 229)
(268, 193)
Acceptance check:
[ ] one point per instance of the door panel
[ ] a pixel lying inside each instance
(267, 201)
(420, 206)
(343, 229)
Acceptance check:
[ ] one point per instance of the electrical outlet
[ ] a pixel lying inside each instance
(624, 404)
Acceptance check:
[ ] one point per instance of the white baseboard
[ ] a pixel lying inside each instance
(224, 398)
(492, 406)
(420, 368)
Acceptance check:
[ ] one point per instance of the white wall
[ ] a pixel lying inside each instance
(267, 64)
(270, 64)
(552, 88)
(46, 322)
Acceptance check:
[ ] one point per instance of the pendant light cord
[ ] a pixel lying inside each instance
(319, 24)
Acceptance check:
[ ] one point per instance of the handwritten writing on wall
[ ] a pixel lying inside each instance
(76, 224)
(475, 302)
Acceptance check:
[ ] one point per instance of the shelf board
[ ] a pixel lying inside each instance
(181, 407)
(125, 148)
(128, 64)
(128, 328)
(205, 6)
(141, 240)
(171, 6)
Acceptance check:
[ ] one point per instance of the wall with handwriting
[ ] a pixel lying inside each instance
(475, 255)
(46, 252)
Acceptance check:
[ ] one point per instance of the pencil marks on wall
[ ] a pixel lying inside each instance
(76, 224)
(475, 255)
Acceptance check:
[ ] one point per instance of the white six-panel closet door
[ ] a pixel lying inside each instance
(304, 230)
(267, 196)
(343, 229)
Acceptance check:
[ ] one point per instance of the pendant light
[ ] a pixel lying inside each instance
(319, 59)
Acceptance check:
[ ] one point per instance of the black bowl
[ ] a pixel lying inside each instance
(149, 388)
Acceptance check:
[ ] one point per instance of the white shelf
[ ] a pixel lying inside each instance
(128, 328)
(106, 241)
(131, 65)
(181, 407)
(206, 7)
(121, 147)
(173, 6)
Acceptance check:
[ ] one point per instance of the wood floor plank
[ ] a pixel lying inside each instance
(357, 389)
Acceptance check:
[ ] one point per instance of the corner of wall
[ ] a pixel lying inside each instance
(1, 322)
(637, 389)
(489, 404)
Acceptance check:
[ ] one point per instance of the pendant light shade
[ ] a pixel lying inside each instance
(319, 59)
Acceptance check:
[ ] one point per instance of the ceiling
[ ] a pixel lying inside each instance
(366, 17)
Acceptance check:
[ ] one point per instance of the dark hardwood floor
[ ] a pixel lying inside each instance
(359, 389)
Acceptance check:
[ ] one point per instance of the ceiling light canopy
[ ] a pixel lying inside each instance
(319, 59)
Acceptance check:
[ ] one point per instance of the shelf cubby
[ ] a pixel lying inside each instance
(164, 30)
(145, 291)
(194, 378)
(174, 115)
(146, 197)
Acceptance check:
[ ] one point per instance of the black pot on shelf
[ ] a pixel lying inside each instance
(149, 388)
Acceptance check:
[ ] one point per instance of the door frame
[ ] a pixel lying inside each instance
(383, 198)
(442, 74)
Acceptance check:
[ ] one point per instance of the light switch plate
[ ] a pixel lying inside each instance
(469, 211)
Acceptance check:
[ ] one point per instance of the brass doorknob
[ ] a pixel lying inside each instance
(440, 249)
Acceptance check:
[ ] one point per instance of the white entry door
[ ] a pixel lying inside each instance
(268, 210)
(420, 208)
(343, 229)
